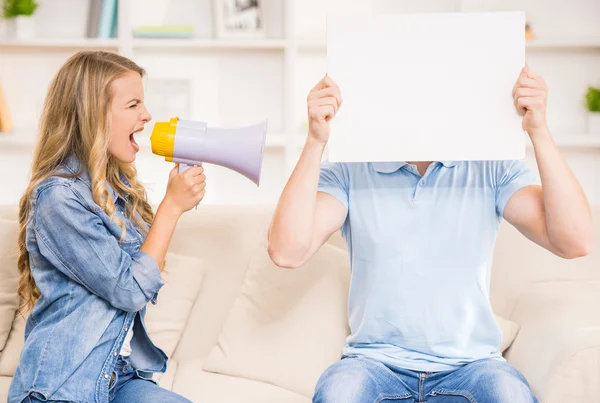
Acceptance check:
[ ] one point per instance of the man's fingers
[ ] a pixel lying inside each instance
(326, 83)
(529, 103)
(323, 83)
(327, 92)
(528, 92)
(328, 101)
(326, 111)
(530, 73)
(525, 82)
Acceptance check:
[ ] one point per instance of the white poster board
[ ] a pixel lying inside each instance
(426, 87)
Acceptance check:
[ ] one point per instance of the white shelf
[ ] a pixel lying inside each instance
(319, 45)
(143, 43)
(557, 44)
(314, 45)
(60, 43)
(575, 141)
(209, 44)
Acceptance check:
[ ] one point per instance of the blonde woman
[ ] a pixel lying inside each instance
(91, 250)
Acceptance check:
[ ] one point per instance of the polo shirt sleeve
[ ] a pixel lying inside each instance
(511, 176)
(334, 181)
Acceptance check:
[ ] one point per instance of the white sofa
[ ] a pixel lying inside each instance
(239, 329)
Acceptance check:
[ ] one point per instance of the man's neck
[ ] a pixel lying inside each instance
(421, 165)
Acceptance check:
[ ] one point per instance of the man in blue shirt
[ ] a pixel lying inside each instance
(421, 237)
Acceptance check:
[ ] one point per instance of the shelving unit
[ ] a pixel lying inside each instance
(58, 44)
(292, 61)
(209, 44)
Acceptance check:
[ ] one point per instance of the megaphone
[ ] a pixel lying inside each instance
(190, 143)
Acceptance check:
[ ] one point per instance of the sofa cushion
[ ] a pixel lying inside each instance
(9, 301)
(286, 326)
(9, 360)
(4, 385)
(167, 319)
(224, 237)
(509, 331)
(520, 263)
(167, 379)
(205, 387)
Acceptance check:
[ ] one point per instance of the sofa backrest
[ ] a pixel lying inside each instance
(519, 265)
(224, 237)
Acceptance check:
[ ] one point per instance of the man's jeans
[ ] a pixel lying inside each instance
(363, 380)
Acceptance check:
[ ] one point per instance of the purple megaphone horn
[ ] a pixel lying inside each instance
(190, 143)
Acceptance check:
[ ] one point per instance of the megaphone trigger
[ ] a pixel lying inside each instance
(184, 167)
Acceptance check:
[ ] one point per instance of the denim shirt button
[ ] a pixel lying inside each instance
(125, 328)
(105, 376)
(115, 353)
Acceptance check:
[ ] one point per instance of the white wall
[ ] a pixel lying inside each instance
(237, 87)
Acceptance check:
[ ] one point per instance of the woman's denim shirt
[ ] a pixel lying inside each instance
(94, 288)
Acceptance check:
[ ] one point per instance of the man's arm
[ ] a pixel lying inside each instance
(556, 216)
(305, 218)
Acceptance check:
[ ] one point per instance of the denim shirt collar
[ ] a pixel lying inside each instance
(73, 164)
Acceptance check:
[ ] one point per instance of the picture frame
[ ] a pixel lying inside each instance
(239, 19)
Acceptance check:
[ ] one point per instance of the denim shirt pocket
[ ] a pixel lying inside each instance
(134, 237)
(130, 245)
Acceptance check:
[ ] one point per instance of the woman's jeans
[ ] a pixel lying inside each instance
(126, 387)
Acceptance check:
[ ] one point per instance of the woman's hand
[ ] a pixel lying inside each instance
(185, 190)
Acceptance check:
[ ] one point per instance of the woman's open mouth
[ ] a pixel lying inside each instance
(134, 145)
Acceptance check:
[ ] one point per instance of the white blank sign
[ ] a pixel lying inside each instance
(426, 87)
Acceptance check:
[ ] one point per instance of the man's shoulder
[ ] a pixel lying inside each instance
(347, 171)
(346, 166)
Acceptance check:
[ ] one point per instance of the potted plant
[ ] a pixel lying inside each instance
(592, 99)
(19, 13)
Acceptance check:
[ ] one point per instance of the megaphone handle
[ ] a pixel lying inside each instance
(184, 167)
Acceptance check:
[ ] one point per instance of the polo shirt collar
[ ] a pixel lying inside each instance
(389, 167)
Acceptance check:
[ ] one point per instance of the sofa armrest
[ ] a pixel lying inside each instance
(558, 345)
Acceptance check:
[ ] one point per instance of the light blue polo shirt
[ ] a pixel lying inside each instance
(421, 252)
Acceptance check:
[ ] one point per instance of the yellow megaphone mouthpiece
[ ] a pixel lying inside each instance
(163, 138)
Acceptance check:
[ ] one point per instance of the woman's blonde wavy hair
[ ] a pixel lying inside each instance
(76, 121)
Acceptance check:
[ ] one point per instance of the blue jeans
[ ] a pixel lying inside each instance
(363, 380)
(128, 388)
